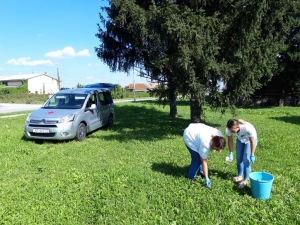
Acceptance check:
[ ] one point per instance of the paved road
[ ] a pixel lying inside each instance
(8, 107)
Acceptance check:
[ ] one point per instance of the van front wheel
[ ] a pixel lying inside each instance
(81, 132)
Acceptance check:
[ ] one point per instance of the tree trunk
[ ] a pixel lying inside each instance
(282, 98)
(173, 106)
(195, 110)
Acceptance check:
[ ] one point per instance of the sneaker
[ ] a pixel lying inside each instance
(237, 178)
(243, 184)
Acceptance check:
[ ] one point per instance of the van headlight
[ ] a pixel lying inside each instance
(67, 118)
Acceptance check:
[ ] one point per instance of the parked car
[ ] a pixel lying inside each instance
(71, 114)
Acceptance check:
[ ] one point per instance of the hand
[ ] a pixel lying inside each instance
(252, 159)
(229, 158)
(207, 182)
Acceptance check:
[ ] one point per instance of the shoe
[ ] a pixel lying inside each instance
(237, 178)
(243, 184)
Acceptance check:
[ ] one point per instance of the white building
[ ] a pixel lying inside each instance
(37, 83)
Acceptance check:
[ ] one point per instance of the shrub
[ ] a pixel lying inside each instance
(120, 93)
(14, 90)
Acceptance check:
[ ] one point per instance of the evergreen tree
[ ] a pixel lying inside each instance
(79, 85)
(192, 45)
(289, 56)
(166, 40)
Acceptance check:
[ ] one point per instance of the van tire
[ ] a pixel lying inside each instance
(81, 132)
(110, 121)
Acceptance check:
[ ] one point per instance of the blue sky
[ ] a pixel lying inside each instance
(40, 36)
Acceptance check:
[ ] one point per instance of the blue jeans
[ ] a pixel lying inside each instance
(243, 152)
(195, 165)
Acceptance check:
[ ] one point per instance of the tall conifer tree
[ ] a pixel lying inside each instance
(192, 45)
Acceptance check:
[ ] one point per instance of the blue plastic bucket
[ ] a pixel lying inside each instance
(261, 184)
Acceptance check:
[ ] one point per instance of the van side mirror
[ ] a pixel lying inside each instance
(93, 106)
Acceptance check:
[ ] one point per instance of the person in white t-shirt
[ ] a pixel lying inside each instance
(246, 143)
(199, 140)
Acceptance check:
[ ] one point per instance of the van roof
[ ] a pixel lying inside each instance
(83, 90)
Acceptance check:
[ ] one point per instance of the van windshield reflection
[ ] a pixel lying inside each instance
(66, 101)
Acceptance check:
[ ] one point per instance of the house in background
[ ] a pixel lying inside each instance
(141, 87)
(37, 83)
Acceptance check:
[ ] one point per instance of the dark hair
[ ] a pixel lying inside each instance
(219, 142)
(231, 123)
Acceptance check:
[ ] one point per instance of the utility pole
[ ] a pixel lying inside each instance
(58, 78)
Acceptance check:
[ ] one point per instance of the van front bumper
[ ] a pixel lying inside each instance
(59, 131)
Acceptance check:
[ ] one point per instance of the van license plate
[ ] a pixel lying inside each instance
(41, 130)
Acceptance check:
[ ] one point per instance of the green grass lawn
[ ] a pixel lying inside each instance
(134, 172)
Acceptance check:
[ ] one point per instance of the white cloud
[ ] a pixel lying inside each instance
(94, 64)
(67, 52)
(25, 61)
(84, 52)
(93, 79)
(1, 68)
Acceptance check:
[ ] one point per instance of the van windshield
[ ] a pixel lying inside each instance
(66, 101)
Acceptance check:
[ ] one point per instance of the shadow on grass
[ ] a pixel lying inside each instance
(288, 119)
(170, 169)
(179, 102)
(144, 121)
(221, 174)
(42, 141)
(244, 191)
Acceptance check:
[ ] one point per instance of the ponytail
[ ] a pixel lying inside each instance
(242, 121)
(233, 122)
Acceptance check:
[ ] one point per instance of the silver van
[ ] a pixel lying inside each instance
(71, 114)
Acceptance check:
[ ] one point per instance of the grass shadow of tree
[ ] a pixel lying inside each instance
(174, 170)
(242, 191)
(185, 103)
(288, 119)
(143, 121)
(170, 169)
(220, 174)
(44, 141)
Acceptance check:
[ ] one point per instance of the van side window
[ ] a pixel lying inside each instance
(108, 97)
(91, 101)
(102, 98)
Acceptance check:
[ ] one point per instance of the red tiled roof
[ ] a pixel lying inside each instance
(143, 86)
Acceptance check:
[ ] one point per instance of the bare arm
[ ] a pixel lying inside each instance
(252, 145)
(230, 143)
(204, 167)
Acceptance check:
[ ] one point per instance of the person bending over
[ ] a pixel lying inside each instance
(199, 140)
(245, 148)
